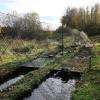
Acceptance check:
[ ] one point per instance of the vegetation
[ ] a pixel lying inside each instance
(33, 78)
(22, 39)
(87, 20)
(89, 86)
(27, 26)
(12, 50)
(16, 52)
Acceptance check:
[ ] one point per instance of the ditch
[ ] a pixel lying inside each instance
(58, 85)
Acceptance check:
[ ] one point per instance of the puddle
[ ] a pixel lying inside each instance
(42, 60)
(57, 87)
(39, 62)
(53, 89)
(10, 82)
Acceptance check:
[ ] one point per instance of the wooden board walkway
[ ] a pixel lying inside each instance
(79, 63)
(38, 63)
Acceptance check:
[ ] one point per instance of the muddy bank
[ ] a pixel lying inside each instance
(84, 52)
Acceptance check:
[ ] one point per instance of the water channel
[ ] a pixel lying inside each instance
(57, 87)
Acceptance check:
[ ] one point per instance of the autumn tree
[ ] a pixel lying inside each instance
(86, 19)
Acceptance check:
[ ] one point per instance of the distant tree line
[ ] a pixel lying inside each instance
(86, 19)
(27, 26)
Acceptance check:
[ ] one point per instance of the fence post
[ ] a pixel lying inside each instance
(90, 62)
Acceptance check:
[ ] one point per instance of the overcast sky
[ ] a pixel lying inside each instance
(50, 11)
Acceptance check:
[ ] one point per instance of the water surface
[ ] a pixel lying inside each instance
(10, 82)
(53, 89)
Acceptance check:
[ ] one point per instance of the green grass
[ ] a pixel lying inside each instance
(89, 86)
(10, 60)
(14, 50)
(29, 82)
(96, 58)
(33, 78)
(13, 53)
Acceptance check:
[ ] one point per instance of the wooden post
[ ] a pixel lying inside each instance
(62, 48)
(90, 62)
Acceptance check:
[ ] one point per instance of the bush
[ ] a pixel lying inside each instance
(21, 50)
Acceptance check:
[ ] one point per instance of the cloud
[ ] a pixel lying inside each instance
(49, 10)
(52, 10)
(47, 7)
(52, 21)
(43, 7)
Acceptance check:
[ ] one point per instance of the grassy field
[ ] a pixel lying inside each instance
(33, 78)
(89, 86)
(86, 89)
(14, 53)
(16, 50)
(12, 50)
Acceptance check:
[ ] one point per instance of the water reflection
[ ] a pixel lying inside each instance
(10, 82)
(53, 89)
(39, 62)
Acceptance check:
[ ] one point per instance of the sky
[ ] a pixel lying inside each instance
(50, 11)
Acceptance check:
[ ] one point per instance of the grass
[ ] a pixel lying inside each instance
(96, 58)
(13, 53)
(16, 50)
(89, 86)
(32, 79)
(12, 50)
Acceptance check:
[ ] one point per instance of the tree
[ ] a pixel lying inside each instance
(28, 26)
(83, 19)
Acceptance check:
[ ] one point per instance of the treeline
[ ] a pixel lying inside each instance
(86, 19)
(26, 26)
